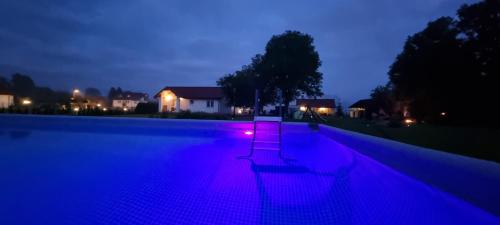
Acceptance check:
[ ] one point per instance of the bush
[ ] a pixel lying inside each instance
(199, 115)
(394, 123)
(146, 108)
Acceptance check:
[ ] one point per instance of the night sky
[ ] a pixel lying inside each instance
(145, 45)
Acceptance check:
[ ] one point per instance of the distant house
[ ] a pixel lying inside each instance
(194, 99)
(360, 108)
(324, 107)
(6, 98)
(128, 100)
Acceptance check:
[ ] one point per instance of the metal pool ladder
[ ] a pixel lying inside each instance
(266, 134)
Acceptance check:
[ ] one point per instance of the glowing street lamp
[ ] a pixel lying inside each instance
(76, 109)
(98, 105)
(443, 113)
(104, 109)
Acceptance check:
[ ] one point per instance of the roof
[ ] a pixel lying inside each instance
(195, 92)
(128, 95)
(317, 103)
(363, 103)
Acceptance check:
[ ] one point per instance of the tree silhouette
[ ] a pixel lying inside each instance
(382, 98)
(452, 64)
(22, 85)
(291, 64)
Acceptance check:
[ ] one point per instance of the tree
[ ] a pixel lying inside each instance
(431, 70)
(111, 93)
(22, 85)
(92, 92)
(340, 110)
(291, 64)
(4, 83)
(239, 88)
(114, 92)
(480, 24)
(450, 64)
(382, 99)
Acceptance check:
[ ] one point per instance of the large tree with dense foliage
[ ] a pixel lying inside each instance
(450, 65)
(239, 87)
(382, 98)
(4, 83)
(22, 85)
(480, 23)
(291, 64)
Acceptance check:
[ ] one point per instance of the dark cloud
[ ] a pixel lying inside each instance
(145, 45)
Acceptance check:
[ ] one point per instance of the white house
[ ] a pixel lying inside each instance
(128, 100)
(6, 98)
(325, 107)
(360, 108)
(194, 99)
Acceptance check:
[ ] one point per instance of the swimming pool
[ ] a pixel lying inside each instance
(83, 170)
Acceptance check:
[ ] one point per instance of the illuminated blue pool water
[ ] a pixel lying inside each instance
(125, 171)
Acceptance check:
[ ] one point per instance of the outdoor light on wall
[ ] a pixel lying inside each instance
(409, 121)
(125, 109)
(303, 108)
(322, 109)
(168, 97)
(104, 109)
(443, 113)
(240, 111)
(76, 109)
(26, 102)
(98, 105)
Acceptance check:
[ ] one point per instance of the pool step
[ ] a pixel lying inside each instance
(258, 144)
(266, 149)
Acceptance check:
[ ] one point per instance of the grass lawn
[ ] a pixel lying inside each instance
(480, 143)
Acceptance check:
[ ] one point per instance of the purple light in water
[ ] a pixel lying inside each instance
(248, 132)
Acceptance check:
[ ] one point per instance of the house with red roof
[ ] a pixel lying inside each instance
(194, 99)
(325, 107)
